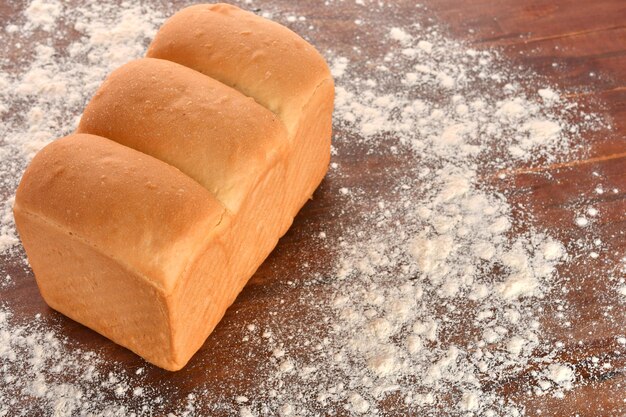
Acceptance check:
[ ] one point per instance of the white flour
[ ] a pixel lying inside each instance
(43, 14)
(433, 296)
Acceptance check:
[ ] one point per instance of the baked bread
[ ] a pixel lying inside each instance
(185, 170)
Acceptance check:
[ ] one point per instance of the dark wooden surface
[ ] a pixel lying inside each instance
(587, 41)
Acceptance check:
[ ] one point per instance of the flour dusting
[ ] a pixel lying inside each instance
(440, 277)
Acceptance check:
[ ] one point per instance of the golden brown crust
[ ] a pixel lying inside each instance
(130, 206)
(211, 132)
(258, 57)
(310, 156)
(79, 281)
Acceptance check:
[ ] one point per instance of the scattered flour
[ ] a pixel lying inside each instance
(43, 14)
(548, 95)
(561, 375)
(400, 35)
(338, 67)
(582, 221)
(435, 290)
(8, 236)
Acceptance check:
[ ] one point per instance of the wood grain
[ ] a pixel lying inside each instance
(582, 49)
(577, 45)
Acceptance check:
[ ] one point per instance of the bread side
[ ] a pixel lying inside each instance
(310, 156)
(78, 280)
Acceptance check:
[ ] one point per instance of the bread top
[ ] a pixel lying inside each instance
(211, 132)
(139, 211)
(258, 57)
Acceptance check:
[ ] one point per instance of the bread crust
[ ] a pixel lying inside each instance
(211, 132)
(256, 56)
(117, 199)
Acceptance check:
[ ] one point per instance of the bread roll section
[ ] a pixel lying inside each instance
(111, 233)
(256, 56)
(186, 169)
(227, 142)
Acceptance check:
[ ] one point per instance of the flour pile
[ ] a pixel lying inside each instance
(434, 292)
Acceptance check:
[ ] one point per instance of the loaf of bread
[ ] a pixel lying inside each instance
(186, 169)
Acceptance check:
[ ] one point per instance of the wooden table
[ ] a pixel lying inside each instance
(587, 41)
